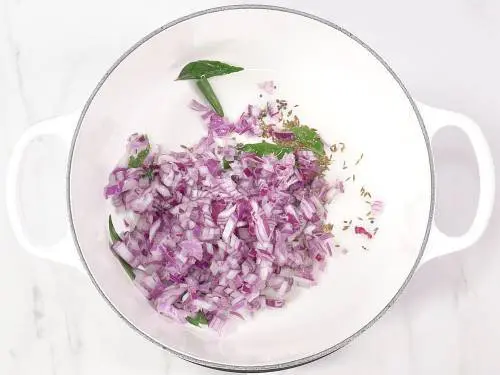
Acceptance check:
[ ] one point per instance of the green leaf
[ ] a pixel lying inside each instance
(115, 237)
(127, 267)
(226, 164)
(202, 318)
(305, 138)
(198, 319)
(308, 138)
(207, 69)
(138, 161)
(264, 148)
(150, 174)
(112, 231)
(193, 321)
(208, 92)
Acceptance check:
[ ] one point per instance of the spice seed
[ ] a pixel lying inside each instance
(361, 157)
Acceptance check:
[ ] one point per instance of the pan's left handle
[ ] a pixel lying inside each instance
(62, 251)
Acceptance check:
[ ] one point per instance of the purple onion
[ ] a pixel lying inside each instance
(226, 242)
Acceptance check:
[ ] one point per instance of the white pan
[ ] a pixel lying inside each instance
(346, 91)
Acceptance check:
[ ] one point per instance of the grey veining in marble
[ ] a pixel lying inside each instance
(53, 52)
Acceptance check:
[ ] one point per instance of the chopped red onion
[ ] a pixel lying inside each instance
(204, 238)
(268, 87)
(284, 135)
(362, 231)
(377, 207)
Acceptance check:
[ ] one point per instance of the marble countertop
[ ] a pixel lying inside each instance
(53, 52)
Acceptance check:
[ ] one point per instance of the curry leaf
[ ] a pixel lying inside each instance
(127, 267)
(208, 92)
(112, 231)
(138, 161)
(308, 138)
(202, 318)
(193, 321)
(198, 319)
(264, 148)
(114, 238)
(207, 69)
(150, 174)
(226, 164)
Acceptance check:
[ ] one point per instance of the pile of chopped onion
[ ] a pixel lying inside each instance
(216, 230)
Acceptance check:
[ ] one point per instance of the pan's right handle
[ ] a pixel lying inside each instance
(439, 243)
(62, 251)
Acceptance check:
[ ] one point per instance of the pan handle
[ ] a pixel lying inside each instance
(439, 243)
(62, 251)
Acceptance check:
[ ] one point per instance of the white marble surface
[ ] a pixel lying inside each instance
(53, 52)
